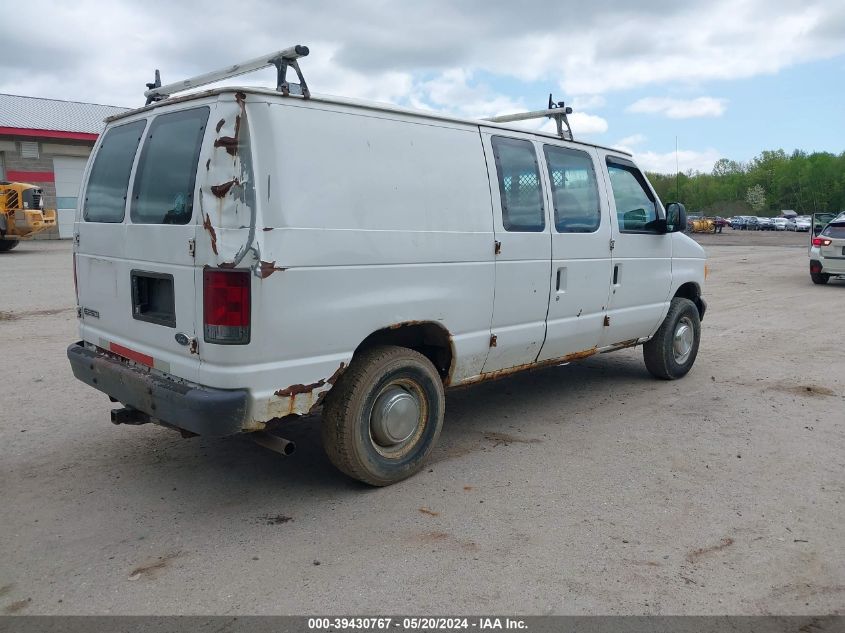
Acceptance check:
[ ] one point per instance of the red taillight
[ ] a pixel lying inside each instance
(226, 306)
(821, 241)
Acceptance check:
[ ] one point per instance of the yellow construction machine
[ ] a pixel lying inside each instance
(22, 213)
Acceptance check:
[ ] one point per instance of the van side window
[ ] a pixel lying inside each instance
(519, 185)
(164, 182)
(575, 194)
(636, 206)
(105, 195)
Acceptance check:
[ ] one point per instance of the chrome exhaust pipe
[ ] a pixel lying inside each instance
(273, 442)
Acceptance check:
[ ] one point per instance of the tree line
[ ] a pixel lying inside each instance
(766, 185)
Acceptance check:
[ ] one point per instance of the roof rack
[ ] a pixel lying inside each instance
(280, 59)
(556, 110)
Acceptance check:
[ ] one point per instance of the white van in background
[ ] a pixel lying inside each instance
(242, 255)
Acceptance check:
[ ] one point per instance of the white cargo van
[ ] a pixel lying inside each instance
(243, 254)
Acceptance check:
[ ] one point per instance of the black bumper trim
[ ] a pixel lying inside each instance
(201, 410)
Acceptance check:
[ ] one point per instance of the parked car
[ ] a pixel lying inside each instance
(827, 249)
(751, 223)
(222, 285)
(737, 222)
(779, 224)
(790, 224)
(764, 224)
(803, 223)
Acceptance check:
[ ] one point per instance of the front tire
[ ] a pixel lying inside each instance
(670, 354)
(7, 245)
(383, 417)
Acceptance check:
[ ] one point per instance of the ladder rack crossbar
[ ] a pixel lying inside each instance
(556, 110)
(284, 57)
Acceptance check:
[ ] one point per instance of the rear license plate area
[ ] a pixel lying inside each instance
(153, 299)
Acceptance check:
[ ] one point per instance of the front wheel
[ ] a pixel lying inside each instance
(7, 245)
(671, 353)
(383, 417)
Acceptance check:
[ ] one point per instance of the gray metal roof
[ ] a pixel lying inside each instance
(35, 113)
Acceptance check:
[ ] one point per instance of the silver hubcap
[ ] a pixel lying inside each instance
(395, 416)
(682, 340)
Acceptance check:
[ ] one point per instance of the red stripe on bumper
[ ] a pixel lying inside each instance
(138, 357)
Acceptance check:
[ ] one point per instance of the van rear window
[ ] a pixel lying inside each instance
(164, 182)
(105, 195)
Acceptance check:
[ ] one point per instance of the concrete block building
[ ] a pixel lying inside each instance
(47, 142)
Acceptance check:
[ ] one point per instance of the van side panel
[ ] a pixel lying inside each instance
(366, 220)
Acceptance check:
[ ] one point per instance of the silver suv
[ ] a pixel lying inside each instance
(827, 248)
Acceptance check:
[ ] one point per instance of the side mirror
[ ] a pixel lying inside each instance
(676, 217)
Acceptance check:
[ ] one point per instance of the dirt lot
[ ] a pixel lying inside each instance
(587, 488)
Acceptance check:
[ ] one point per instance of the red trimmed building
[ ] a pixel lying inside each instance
(47, 142)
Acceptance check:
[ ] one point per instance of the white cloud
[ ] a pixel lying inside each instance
(587, 124)
(400, 51)
(687, 160)
(629, 142)
(680, 108)
(454, 91)
(587, 102)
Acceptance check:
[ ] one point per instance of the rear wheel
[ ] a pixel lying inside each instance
(671, 353)
(383, 417)
(820, 278)
(7, 245)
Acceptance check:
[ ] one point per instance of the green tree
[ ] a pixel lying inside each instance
(756, 197)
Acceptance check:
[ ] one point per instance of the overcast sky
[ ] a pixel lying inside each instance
(727, 78)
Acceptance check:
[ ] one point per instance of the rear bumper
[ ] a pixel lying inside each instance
(828, 265)
(196, 408)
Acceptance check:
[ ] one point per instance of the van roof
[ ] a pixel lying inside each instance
(358, 103)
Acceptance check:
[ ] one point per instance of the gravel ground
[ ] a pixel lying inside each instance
(582, 489)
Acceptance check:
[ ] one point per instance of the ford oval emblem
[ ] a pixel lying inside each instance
(182, 338)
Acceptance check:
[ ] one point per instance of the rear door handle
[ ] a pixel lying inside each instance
(616, 275)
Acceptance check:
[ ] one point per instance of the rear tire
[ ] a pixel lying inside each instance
(7, 245)
(670, 354)
(820, 278)
(383, 417)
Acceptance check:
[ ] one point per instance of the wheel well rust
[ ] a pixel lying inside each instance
(429, 338)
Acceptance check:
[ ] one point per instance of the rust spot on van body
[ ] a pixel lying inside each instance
(230, 143)
(396, 326)
(333, 378)
(302, 399)
(295, 390)
(221, 190)
(501, 373)
(617, 346)
(265, 269)
(206, 224)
